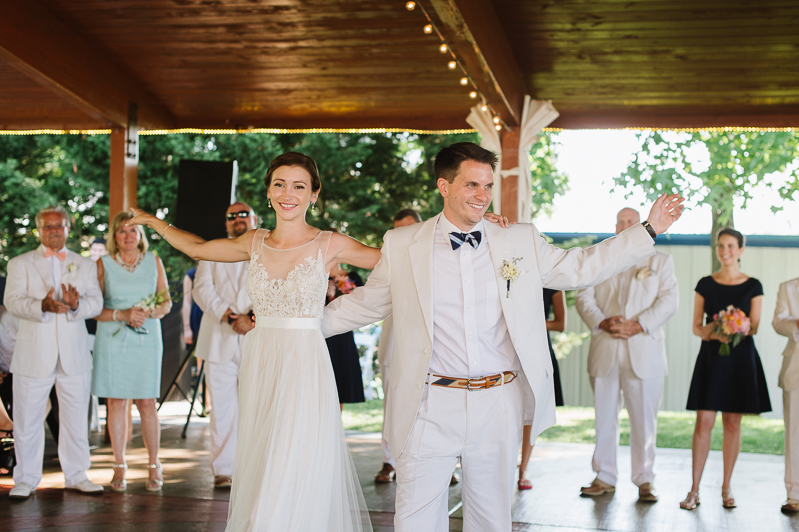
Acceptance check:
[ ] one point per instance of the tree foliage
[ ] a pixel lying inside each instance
(716, 168)
(366, 179)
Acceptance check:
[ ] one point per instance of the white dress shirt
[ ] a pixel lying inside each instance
(470, 337)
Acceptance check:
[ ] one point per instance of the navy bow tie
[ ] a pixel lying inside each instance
(458, 239)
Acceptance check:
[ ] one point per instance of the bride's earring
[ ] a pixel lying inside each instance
(313, 206)
(269, 202)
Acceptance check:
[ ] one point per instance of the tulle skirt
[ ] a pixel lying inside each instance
(293, 471)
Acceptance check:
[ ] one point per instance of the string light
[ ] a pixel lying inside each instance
(428, 29)
(473, 95)
(498, 127)
(464, 81)
(484, 108)
(410, 6)
(496, 119)
(452, 65)
(443, 48)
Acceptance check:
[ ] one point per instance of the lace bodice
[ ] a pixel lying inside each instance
(288, 283)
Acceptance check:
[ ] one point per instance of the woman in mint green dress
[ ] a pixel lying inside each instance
(128, 347)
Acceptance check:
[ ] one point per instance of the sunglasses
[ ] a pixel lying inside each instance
(234, 215)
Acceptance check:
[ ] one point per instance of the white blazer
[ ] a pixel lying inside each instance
(43, 338)
(651, 301)
(216, 289)
(785, 316)
(402, 282)
(386, 346)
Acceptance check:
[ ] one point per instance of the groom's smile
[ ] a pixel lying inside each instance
(468, 196)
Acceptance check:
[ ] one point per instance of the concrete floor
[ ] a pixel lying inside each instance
(188, 502)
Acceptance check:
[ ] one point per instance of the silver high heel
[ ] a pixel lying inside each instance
(155, 484)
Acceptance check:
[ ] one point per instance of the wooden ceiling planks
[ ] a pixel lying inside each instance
(367, 63)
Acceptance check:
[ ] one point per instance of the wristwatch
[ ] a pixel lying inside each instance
(649, 229)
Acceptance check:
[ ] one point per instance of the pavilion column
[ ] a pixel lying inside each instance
(124, 165)
(510, 179)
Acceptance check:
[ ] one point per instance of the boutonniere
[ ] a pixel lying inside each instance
(643, 273)
(71, 268)
(511, 271)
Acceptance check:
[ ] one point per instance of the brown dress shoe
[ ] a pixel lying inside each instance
(386, 475)
(597, 488)
(791, 505)
(223, 482)
(455, 479)
(646, 493)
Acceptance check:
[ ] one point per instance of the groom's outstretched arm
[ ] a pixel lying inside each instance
(364, 305)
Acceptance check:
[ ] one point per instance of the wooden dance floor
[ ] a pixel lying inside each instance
(188, 503)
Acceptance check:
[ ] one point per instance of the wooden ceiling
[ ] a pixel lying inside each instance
(75, 64)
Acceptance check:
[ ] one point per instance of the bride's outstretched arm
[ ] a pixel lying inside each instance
(220, 250)
(346, 250)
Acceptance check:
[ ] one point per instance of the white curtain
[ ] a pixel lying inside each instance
(536, 115)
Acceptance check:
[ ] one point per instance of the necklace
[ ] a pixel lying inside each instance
(130, 267)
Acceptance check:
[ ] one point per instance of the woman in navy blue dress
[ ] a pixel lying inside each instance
(733, 384)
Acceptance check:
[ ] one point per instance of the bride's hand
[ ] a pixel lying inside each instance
(139, 217)
(496, 219)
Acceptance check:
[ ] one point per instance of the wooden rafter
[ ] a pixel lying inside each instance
(50, 52)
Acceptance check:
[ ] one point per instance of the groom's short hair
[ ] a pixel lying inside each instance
(449, 159)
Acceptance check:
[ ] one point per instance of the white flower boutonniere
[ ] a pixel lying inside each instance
(643, 273)
(71, 268)
(511, 272)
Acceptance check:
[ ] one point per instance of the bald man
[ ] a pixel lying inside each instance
(627, 360)
(220, 290)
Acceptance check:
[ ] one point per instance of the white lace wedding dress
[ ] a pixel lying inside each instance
(293, 471)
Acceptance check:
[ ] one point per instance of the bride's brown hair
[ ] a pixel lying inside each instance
(293, 158)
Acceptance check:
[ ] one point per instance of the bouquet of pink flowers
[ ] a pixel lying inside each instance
(732, 323)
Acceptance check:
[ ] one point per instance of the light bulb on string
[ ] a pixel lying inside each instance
(498, 127)
(484, 107)
(464, 81)
(473, 95)
(410, 6)
(452, 65)
(496, 120)
(428, 29)
(443, 48)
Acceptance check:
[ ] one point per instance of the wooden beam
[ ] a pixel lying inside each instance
(124, 166)
(510, 183)
(37, 43)
(477, 38)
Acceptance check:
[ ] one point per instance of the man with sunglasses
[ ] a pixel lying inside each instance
(220, 290)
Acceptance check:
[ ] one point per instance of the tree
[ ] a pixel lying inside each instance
(716, 168)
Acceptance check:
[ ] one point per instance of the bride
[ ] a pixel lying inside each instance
(292, 470)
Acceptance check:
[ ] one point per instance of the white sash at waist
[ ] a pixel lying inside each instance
(288, 323)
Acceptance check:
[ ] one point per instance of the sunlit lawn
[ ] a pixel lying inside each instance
(576, 424)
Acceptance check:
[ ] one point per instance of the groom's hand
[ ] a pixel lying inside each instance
(665, 211)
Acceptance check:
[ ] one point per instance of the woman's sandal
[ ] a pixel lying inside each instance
(524, 484)
(119, 484)
(728, 499)
(155, 484)
(691, 501)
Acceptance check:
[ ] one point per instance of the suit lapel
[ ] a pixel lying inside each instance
(501, 248)
(421, 255)
(42, 266)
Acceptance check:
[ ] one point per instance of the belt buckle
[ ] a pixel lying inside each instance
(483, 386)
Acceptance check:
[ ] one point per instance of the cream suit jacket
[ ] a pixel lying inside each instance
(44, 337)
(402, 282)
(216, 289)
(651, 301)
(386, 346)
(785, 316)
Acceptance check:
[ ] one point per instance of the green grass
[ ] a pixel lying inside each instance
(576, 424)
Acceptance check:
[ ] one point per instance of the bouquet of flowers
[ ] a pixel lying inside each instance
(339, 286)
(733, 324)
(148, 304)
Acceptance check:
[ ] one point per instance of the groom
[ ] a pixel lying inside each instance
(471, 361)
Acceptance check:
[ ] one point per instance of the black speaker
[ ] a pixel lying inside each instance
(205, 191)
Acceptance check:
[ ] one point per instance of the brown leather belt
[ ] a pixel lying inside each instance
(481, 383)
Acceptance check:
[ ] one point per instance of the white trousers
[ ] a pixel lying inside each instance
(387, 458)
(790, 409)
(642, 400)
(223, 385)
(30, 402)
(484, 429)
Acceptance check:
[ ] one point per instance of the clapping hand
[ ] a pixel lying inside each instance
(665, 211)
(51, 305)
(71, 296)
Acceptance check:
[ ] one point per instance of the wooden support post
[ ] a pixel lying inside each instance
(510, 183)
(124, 165)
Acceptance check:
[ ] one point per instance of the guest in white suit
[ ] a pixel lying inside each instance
(52, 291)
(220, 290)
(385, 348)
(627, 359)
(460, 326)
(786, 323)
